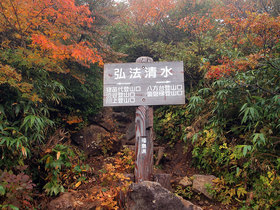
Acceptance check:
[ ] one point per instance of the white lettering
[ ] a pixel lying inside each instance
(108, 89)
(119, 74)
(132, 100)
(180, 87)
(166, 72)
(135, 73)
(126, 100)
(151, 72)
(149, 91)
(144, 140)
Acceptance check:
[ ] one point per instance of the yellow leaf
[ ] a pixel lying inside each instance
(57, 155)
(232, 156)
(232, 192)
(78, 184)
(48, 160)
(241, 191)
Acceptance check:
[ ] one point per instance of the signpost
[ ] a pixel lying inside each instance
(142, 84)
(136, 84)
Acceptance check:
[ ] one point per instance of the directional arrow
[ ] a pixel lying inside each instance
(124, 83)
(163, 82)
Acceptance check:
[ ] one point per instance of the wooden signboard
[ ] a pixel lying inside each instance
(136, 84)
(142, 84)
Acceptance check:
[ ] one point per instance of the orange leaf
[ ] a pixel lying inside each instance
(57, 155)
(48, 150)
(23, 150)
(78, 184)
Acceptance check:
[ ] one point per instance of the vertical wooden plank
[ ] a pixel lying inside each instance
(144, 139)
(149, 160)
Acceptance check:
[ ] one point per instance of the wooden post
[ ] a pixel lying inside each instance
(144, 139)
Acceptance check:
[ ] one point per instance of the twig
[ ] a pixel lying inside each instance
(15, 12)
(7, 18)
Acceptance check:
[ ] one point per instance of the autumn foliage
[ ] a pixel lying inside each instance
(55, 29)
(51, 58)
(45, 34)
(230, 122)
(150, 11)
(237, 22)
(45, 47)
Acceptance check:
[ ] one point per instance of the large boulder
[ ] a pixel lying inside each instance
(152, 196)
(113, 119)
(91, 139)
(117, 119)
(104, 119)
(200, 183)
(122, 117)
(130, 132)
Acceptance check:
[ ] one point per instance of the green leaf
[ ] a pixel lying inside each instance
(204, 91)
(259, 138)
(246, 148)
(13, 207)
(2, 190)
(221, 94)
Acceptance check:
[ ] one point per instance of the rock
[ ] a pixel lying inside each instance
(201, 203)
(126, 109)
(189, 205)
(90, 139)
(122, 117)
(160, 154)
(130, 132)
(163, 179)
(63, 202)
(186, 181)
(70, 200)
(201, 181)
(152, 196)
(104, 119)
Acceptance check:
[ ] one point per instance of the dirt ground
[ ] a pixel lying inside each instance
(175, 161)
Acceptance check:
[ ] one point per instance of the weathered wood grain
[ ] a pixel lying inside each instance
(144, 144)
